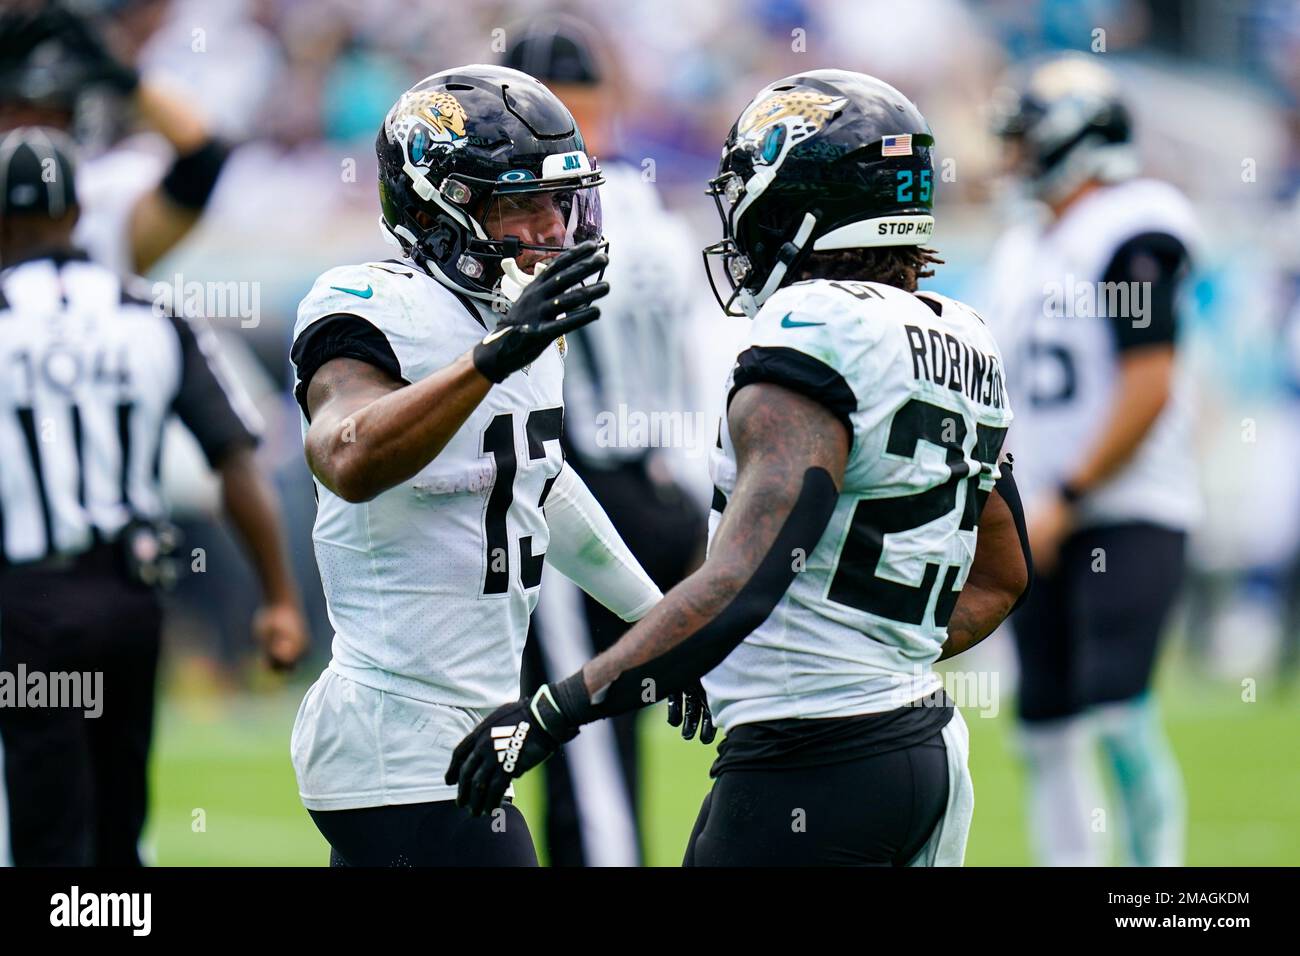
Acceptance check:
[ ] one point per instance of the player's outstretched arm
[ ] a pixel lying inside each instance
(1000, 574)
(587, 549)
(791, 454)
(370, 431)
(165, 215)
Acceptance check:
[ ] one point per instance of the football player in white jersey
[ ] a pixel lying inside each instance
(430, 389)
(863, 525)
(1084, 301)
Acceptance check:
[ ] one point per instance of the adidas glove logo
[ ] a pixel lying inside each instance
(508, 742)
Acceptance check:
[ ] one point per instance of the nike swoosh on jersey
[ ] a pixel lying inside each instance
(786, 323)
(359, 293)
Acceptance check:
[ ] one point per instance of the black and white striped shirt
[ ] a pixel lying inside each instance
(90, 372)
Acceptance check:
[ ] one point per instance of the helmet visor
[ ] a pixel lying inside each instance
(542, 223)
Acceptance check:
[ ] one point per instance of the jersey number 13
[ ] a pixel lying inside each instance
(542, 425)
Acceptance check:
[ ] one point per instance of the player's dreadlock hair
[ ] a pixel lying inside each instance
(899, 266)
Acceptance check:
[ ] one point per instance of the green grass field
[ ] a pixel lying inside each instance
(224, 790)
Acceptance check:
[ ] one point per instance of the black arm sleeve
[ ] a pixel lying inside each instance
(193, 176)
(340, 335)
(1155, 263)
(704, 650)
(204, 404)
(1009, 493)
(800, 373)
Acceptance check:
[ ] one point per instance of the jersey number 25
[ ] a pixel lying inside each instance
(855, 582)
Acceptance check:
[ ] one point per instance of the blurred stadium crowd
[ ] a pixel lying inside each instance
(302, 86)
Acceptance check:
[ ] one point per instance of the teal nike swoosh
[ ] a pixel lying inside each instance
(787, 324)
(369, 291)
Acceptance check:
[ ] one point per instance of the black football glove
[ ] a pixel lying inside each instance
(509, 742)
(689, 709)
(533, 321)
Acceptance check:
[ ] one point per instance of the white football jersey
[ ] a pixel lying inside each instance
(1051, 314)
(430, 585)
(918, 380)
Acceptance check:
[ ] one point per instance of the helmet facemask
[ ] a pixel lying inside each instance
(748, 289)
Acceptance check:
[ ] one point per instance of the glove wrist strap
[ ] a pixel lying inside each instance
(569, 705)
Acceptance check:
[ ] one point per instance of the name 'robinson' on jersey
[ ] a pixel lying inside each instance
(918, 381)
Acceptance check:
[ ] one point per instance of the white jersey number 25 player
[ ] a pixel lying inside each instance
(855, 539)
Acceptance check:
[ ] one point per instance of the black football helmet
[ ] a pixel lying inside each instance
(457, 151)
(827, 159)
(1066, 123)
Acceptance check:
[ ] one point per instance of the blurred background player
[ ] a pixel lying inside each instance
(1088, 289)
(141, 193)
(632, 360)
(84, 549)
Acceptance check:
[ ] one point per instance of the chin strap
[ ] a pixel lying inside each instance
(752, 302)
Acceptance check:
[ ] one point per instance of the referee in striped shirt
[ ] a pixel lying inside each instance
(90, 372)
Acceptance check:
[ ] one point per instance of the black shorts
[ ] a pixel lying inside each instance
(877, 809)
(77, 785)
(426, 834)
(1087, 636)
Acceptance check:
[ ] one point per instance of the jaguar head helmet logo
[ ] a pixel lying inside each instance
(426, 121)
(773, 124)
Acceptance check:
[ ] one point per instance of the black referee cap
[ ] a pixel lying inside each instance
(555, 49)
(36, 173)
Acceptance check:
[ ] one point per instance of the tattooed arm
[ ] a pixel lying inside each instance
(790, 454)
(370, 431)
